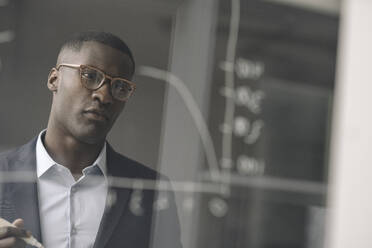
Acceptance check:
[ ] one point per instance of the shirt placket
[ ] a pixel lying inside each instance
(72, 224)
(72, 210)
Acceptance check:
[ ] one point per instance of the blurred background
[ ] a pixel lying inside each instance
(256, 109)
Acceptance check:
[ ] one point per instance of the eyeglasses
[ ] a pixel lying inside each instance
(93, 79)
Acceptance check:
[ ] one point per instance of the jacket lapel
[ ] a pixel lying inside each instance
(25, 194)
(116, 201)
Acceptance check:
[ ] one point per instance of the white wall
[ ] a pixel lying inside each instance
(350, 201)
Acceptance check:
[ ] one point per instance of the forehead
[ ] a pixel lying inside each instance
(108, 59)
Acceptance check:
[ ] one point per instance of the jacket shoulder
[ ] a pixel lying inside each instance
(7, 156)
(12, 155)
(128, 167)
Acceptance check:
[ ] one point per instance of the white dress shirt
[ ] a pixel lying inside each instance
(70, 211)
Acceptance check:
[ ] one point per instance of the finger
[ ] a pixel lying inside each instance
(12, 242)
(8, 231)
(7, 242)
(19, 223)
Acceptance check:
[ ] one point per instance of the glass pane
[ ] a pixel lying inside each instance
(233, 105)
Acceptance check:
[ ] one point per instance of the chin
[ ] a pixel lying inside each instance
(91, 135)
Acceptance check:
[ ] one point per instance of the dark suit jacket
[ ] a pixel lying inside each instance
(119, 226)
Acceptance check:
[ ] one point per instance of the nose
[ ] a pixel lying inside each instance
(103, 94)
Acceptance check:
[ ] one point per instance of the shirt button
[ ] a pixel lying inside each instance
(73, 230)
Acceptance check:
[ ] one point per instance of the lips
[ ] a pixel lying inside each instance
(97, 114)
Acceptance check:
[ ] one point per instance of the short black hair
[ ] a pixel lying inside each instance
(109, 39)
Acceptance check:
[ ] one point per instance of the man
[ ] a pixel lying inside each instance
(72, 203)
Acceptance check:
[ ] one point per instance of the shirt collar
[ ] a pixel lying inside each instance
(44, 162)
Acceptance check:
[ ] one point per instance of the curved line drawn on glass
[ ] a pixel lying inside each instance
(226, 159)
(193, 109)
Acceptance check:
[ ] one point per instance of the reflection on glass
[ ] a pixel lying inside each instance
(265, 138)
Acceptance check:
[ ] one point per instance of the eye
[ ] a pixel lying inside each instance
(122, 87)
(89, 75)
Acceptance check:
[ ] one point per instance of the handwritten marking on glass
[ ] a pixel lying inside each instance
(218, 207)
(135, 204)
(251, 131)
(241, 126)
(162, 202)
(249, 98)
(255, 132)
(245, 96)
(111, 198)
(250, 166)
(245, 69)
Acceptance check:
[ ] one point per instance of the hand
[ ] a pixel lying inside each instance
(11, 236)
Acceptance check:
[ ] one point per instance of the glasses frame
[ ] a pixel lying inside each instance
(105, 76)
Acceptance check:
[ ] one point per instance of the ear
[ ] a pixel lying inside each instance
(53, 80)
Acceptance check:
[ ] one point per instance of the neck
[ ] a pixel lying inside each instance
(70, 152)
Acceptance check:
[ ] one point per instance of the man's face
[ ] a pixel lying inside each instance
(80, 113)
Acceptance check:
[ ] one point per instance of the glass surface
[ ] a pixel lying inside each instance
(271, 130)
(261, 110)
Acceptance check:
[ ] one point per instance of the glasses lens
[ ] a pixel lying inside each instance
(91, 78)
(121, 89)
